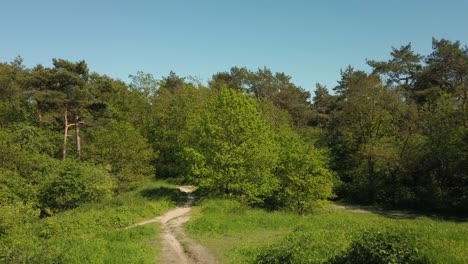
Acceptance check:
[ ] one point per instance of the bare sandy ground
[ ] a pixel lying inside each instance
(176, 246)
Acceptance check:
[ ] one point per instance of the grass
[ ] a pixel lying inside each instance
(238, 234)
(94, 233)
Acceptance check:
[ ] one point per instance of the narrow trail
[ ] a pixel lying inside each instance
(176, 246)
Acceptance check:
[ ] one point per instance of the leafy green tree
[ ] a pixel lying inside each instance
(278, 119)
(16, 158)
(172, 82)
(174, 114)
(237, 79)
(264, 85)
(364, 129)
(306, 180)
(68, 184)
(13, 97)
(145, 83)
(441, 156)
(234, 152)
(120, 147)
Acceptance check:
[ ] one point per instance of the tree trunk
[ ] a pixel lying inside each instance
(65, 135)
(77, 134)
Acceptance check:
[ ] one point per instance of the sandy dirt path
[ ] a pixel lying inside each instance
(176, 246)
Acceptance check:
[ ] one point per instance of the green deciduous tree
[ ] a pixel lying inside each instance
(174, 113)
(306, 180)
(121, 147)
(364, 130)
(266, 85)
(234, 152)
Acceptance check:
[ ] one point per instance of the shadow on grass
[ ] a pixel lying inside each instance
(165, 193)
(399, 214)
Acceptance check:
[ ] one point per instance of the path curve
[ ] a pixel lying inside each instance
(176, 246)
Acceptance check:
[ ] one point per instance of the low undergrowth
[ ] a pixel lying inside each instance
(92, 233)
(239, 234)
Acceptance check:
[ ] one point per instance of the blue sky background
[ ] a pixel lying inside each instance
(308, 40)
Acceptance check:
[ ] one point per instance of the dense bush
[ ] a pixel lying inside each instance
(123, 149)
(69, 183)
(390, 246)
(381, 247)
(37, 140)
(14, 188)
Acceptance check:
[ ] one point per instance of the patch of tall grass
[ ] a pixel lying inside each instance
(94, 233)
(239, 234)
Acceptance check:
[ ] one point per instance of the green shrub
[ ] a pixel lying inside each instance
(381, 247)
(37, 140)
(14, 188)
(71, 183)
(122, 149)
(372, 247)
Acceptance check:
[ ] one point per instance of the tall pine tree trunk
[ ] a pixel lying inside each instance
(65, 135)
(77, 134)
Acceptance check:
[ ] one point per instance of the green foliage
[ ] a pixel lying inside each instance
(68, 184)
(15, 155)
(303, 170)
(440, 157)
(234, 151)
(365, 150)
(266, 85)
(37, 140)
(16, 189)
(174, 115)
(13, 104)
(238, 234)
(91, 233)
(397, 137)
(123, 149)
(386, 247)
(374, 247)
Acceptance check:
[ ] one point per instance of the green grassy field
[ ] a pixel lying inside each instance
(238, 234)
(95, 233)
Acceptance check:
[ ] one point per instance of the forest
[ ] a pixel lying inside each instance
(395, 137)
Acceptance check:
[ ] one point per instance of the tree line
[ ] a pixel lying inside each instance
(395, 136)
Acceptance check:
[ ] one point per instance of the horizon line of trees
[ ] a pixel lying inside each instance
(396, 136)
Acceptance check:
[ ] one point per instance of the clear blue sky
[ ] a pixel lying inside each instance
(308, 40)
